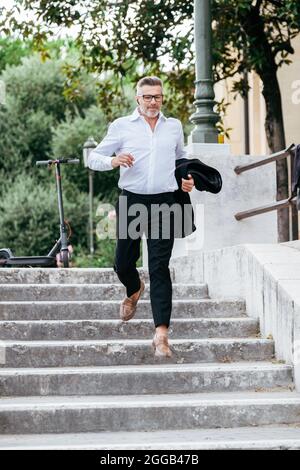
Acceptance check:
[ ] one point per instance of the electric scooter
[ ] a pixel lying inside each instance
(7, 259)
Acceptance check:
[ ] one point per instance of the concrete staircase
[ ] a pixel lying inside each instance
(75, 376)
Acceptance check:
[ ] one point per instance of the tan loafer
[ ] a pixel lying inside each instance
(161, 347)
(128, 305)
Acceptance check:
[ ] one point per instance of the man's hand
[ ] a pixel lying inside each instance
(123, 159)
(187, 185)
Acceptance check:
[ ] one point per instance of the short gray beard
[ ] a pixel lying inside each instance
(149, 114)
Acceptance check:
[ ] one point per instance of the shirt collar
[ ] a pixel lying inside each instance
(135, 115)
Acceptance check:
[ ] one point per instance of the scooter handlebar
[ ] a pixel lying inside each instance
(62, 160)
(74, 161)
(43, 162)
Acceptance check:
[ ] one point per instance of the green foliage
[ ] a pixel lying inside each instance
(50, 108)
(37, 85)
(35, 106)
(250, 35)
(221, 110)
(103, 256)
(38, 121)
(67, 141)
(29, 222)
(112, 33)
(12, 51)
(114, 36)
(13, 140)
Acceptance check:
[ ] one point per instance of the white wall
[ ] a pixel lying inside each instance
(267, 276)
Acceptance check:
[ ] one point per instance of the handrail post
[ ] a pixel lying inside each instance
(294, 230)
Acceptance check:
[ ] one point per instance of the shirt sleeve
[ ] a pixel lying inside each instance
(180, 150)
(100, 159)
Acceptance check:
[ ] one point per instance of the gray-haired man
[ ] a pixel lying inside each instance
(146, 145)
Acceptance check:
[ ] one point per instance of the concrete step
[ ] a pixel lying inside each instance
(145, 379)
(280, 437)
(117, 352)
(65, 276)
(109, 309)
(35, 415)
(117, 329)
(20, 292)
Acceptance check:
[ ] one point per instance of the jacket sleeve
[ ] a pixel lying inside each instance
(180, 151)
(100, 159)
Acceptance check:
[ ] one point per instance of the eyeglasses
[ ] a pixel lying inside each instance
(148, 98)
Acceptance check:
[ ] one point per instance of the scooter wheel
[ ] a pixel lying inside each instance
(64, 256)
(5, 253)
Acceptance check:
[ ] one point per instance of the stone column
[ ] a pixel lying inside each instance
(204, 118)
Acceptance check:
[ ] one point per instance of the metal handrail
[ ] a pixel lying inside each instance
(272, 158)
(268, 208)
(284, 203)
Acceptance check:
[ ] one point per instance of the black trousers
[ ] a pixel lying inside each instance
(159, 243)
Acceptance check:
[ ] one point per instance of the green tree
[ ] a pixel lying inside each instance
(249, 35)
(35, 105)
(29, 222)
(12, 51)
(68, 138)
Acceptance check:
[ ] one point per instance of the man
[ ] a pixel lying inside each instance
(146, 145)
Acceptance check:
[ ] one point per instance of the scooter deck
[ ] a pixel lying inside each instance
(29, 261)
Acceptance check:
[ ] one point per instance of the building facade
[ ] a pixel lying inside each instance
(289, 79)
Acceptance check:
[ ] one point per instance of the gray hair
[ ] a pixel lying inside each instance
(151, 81)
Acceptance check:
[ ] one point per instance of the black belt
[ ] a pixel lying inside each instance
(146, 196)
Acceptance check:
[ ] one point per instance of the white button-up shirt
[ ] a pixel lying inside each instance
(155, 152)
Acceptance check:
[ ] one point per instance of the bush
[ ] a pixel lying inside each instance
(68, 140)
(29, 222)
(37, 85)
(103, 256)
(35, 105)
(12, 51)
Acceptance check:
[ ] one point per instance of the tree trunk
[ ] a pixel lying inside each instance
(274, 127)
(267, 71)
